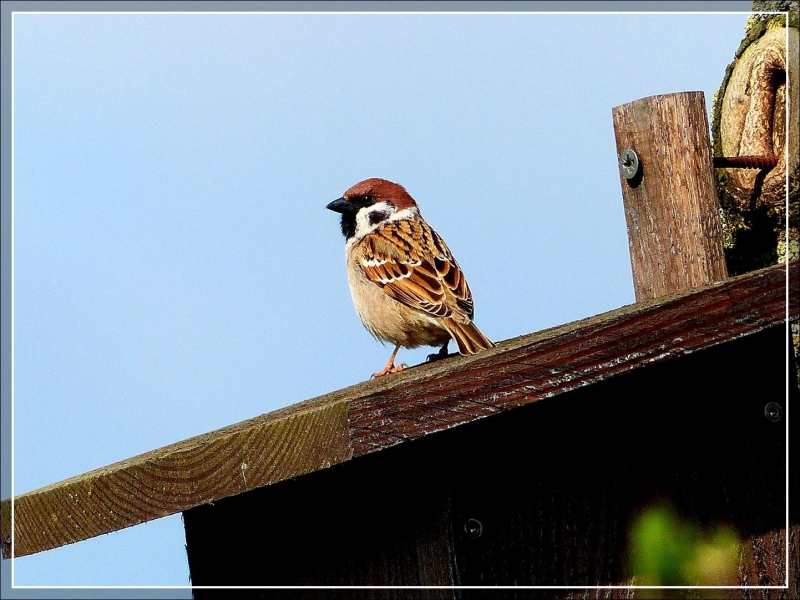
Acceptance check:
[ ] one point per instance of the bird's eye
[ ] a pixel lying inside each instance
(368, 199)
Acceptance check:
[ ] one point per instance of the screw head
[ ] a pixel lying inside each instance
(629, 164)
(473, 528)
(773, 411)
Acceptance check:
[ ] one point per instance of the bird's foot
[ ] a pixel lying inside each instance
(389, 369)
(438, 355)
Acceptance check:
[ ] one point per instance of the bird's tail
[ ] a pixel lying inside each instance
(468, 337)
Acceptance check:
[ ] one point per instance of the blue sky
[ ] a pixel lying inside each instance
(175, 268)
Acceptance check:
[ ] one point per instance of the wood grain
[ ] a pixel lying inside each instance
(374, 415)
(381, 520)
(671, 210)
(556, 486)
(199, 470)
(533, 367)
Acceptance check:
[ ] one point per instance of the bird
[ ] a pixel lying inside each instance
(407, 287)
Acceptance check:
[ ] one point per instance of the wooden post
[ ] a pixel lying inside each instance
(670, 198)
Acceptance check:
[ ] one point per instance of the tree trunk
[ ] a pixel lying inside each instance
(749, 118)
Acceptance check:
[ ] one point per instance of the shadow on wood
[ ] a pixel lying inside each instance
(541, 495)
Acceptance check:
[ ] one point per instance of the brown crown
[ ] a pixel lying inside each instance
(382, 190)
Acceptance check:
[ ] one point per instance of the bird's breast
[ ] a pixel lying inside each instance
(386, 318)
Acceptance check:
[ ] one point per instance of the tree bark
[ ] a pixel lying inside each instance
(755, 114)
(749, 118)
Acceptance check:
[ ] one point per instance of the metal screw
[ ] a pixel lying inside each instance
(773, 411)
(629, 164)
(473, 528)
(745, 162)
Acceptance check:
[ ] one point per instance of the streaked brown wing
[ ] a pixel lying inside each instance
(451, 275)
(414, 266)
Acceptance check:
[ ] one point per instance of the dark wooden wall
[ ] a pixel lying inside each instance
(554, 486)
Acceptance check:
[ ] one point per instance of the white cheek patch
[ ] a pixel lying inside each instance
(405, 213)
(371, 217)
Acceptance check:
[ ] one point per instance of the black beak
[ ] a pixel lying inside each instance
(340, 205)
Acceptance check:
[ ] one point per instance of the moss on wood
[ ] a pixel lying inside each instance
(755, 227)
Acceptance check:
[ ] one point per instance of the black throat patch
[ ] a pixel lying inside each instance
(348, 225)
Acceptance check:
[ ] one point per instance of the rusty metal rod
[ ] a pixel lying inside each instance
(745, 162)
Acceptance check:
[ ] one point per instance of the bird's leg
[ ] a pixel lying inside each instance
(442, 353)
(390, 368)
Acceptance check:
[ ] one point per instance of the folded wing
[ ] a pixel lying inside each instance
(414, 266)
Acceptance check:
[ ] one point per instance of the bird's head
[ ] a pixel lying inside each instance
(369, 203)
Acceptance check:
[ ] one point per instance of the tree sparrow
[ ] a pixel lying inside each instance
(406, 286)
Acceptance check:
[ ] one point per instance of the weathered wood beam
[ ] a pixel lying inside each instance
(669, 194)
(373, 415)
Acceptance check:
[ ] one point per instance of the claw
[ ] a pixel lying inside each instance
(442, 353)
(389, 369)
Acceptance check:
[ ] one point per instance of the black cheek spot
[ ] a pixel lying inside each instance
(377, 216)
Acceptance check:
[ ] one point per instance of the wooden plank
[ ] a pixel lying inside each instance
(543, 495)
(379, 520)
(377, 414)
(202, 469)
(581, 470)
(532, 367)
(671, 206)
